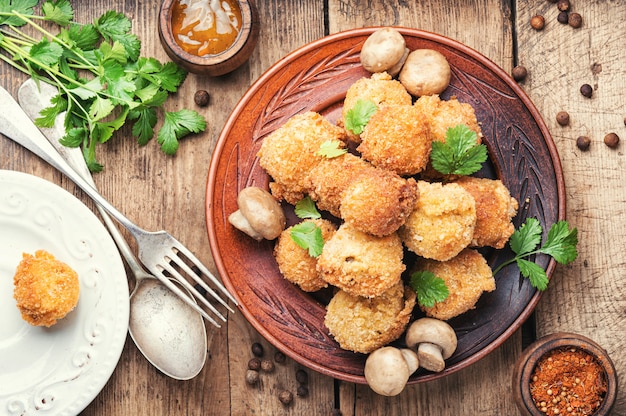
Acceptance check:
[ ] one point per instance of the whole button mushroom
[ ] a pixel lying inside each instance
(435, 341)
(384, 51)
(259, 214)
(388, 369)
(425, 72)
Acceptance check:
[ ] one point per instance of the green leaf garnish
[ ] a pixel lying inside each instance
(305, 208)
(359, 115)
(59, 12)
(330, 149)
(430, 289)
(560, 244)
(308, 236)
(459, 154)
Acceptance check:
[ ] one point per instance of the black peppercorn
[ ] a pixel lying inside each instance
(563, 5)
(302, 391)
(611, 140)
(519, 73)
(285, 397)
(254, 363)
(575, 20)
(586, 90)
(583, 142)
(257, 349)
(201, 98)
(279, 357)
(252, 377)
(537, 22)
(302, 377)
(267, 366)
(562, 17)
(562, 118)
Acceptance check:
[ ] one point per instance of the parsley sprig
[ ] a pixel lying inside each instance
(460, 154)
(430, 289)
(102, 80)
(560, 244)
(358, 116)
(307, 234)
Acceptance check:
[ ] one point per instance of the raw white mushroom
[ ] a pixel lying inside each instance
(434, 340)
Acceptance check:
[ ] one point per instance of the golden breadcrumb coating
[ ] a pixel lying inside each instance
(289, 153)
(495, 208)
(444, 114)
(381, 89)
(467, 276)
(46, 289)
(361, 264)
(364, 325)
(442, 223)
(397, 138)
(295, 263)
(374, 200)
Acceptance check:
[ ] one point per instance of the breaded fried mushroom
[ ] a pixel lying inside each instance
(46, 289)
(495, 208)
(442, 223)
(397, 138)
(467, 276)
(290, 152)
(295, 263)
(381, 89)
(444, 114)
(363, 325)
(361, 264)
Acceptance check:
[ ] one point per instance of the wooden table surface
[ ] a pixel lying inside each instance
(161, 192)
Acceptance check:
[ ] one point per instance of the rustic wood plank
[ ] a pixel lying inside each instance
(588, 295)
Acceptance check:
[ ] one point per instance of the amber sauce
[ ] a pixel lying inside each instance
(207, 40)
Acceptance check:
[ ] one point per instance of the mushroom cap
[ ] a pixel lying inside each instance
(262, 211)
(433, 331)
(386, 371)
(425, 72)
(382, 50)
(411, 358)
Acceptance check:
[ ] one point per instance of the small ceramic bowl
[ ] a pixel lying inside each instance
(215, 64)
(526, 363)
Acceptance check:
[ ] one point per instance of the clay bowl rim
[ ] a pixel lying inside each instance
(527, 362)
(167, 37)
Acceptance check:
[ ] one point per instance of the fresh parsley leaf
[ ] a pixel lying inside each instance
(308, 236)
(115, 26)
(460, 154)
(560, 243)
(46, 52)
(305, 208)
(7, 17)
(143, 128)
(359, 115)
(47, 116)
(330, 149)
(430, 289)
(169, 77)
(176, 125)
(84, 37)
(59, 12)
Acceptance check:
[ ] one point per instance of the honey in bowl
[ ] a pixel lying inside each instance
(206, 27)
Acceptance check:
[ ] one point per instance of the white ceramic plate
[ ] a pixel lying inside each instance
(58, 370)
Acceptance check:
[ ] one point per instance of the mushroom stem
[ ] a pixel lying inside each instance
(430, 357)
(239, 221)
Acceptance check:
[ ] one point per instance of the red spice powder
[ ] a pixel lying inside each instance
(568, 381)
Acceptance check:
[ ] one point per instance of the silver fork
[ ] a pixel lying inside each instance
(160, 253)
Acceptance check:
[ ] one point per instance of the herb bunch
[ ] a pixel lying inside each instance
(102, 80)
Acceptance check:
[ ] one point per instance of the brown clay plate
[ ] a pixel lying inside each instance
(316, 77)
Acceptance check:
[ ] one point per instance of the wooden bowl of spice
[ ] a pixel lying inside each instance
(564, 374)
(209, 37)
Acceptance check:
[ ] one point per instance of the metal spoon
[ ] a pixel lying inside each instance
(169, 333)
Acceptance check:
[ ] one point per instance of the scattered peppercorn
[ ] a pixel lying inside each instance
(625, 121)
(611, 140)
(252, 377)
(575, 20)
(519, 73)
(563, 5)
(302, 376)
(583, 142)
(537, 22)
(257, 349)
(586, 90)
(279, 357)
(201, 98)
(562, 17)
(254, 363)
(267, 366)
(285, 397)
(562, 118)
(302, 391)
